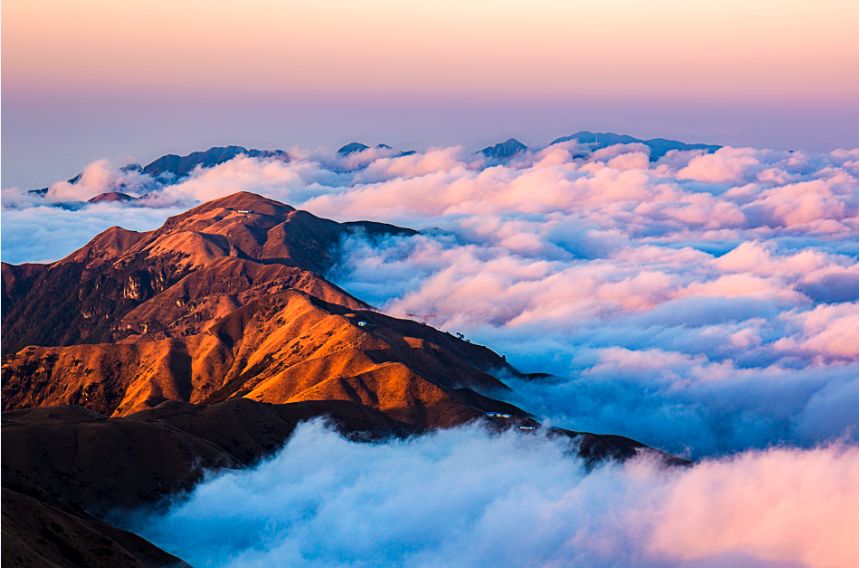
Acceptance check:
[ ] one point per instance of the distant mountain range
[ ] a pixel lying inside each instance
(180, 166)
(658, 146)
(172, 168)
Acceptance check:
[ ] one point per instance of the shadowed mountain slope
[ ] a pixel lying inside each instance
(36, 533)
(76, 458)
(62, 465)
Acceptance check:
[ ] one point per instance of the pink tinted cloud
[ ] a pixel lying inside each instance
(97, 177)
(783, 506)
(827, 332)
(727, 165)
(806, 203)
(510, 499)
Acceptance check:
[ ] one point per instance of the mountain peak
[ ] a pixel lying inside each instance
(351, 148)
(504, 150)
(112, 197)
(180, 166)
(658, 146)
(245, 200)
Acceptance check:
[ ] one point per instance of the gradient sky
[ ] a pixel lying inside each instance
(98, 78)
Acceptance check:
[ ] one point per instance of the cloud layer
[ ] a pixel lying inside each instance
(707, 304)
(470, 498)
(703, 303)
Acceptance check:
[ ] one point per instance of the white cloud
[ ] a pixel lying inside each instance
(724, 264)
(465, 497)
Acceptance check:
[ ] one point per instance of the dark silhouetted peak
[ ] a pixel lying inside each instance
(170, 167)
(661, 146)
(600, 139)
(658, 146)
(44, 190)
(504, 150)
(351, 148)
(180, 166)
(383, 147)
(112, 197)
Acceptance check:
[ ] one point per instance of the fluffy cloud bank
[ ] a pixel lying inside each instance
(707, 304)
(703, 303)
(470, 498)
(45, 234)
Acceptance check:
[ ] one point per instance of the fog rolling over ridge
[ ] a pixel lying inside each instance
(467, 498)
(701, 299)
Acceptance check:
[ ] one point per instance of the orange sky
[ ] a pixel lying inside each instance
(537, 49)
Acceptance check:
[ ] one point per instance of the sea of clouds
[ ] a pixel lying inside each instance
(468, 498)
(705, 304)
(702, 303)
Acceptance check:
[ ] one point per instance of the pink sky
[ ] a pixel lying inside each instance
(98, 78)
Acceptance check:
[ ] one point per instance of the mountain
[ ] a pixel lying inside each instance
(76, 458)
(174, 280)
(144, 359)
(352, 148)
(503, 150)
(112, 197)
(64, 467)
(658, 146)
(36, 533)
(173, 166)
(227, 300)
(283, 347)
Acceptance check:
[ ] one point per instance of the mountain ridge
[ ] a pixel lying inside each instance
(173, 168)
(658, 146)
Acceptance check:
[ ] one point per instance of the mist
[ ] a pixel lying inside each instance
(468, 497)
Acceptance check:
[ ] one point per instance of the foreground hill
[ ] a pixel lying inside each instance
(65, 466)
(36, 533)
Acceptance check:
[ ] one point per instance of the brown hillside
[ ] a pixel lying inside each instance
(230, 251)
(280, 348)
